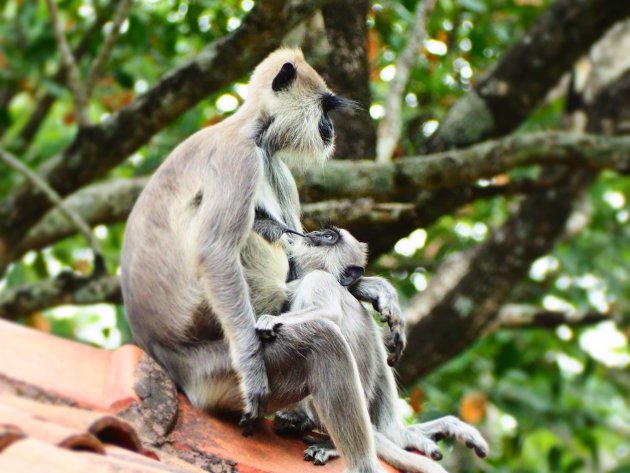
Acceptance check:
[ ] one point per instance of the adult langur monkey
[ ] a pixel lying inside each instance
(190, 251)
(329, 266)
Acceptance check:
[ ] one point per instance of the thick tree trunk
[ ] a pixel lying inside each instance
(347, 72)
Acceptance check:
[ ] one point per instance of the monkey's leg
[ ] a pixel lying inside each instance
(304, 358)
(386, 413)
(307, 357)
(226, 216)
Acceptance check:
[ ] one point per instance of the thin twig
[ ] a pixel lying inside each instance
(525, 316)
(55, 199)
(75, 84)
(391, 125)
(45, 103)
(103, 55)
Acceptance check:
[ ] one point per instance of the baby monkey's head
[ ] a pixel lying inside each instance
(333, 250)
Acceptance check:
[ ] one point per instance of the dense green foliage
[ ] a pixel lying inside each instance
(552, 400)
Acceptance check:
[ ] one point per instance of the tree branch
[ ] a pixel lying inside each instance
(98, 148)
(352, 213)
(75, 84)
(103, 203)
(519, 82)
(449, 318)
(391, 200)
(111, 201)
(401, 179)
(55, 199)
(45, 103)
(516, 316)
(103, 55)
(68, 288)
(390, 127)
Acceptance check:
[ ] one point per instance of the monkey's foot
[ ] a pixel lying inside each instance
(423, 444)
(320, 450)
(267, 326)
(452, 428)
(292, 422)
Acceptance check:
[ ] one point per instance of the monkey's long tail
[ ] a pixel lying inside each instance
(402, 459)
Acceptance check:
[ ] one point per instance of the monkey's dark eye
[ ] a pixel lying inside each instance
(330, 236)
(284, 78)
(323, 237)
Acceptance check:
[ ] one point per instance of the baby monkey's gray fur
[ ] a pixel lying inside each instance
(329, 285)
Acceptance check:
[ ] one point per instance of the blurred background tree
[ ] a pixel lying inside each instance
(513, 270)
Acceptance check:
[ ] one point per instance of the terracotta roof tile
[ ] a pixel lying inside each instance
(50, 432)
(128, 382)
(37, 453)
(127, 456)
(265, 451)
(16, 465)
(106, 428)
(36, 436)
(9, 434)
(87, 375)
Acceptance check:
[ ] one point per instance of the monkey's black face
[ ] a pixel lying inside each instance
(302, 130)
(326, 130)
(330, 102)
(326, 237)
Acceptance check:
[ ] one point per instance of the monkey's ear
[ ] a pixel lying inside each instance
(350, 275)
(284, 78)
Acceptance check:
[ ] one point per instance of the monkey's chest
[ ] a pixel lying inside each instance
(266, 268)
(277, 194)
(268, 199)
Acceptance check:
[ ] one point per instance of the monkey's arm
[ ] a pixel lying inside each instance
(269, 228)
(304, 304)
(384, 298)
(226, 216)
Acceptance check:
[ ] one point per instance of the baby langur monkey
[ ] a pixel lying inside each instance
(347, 263)
(329, 268)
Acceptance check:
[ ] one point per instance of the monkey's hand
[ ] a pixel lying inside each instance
(387, 306)
(255, 387)
(267, 326)
(384, 298)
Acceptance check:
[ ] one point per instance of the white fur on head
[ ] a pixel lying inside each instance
(334, 259)
(291, 116)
